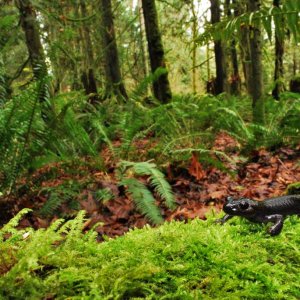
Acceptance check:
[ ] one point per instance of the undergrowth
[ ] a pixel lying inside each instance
(197, 260)
(136, 131)
(141, 195)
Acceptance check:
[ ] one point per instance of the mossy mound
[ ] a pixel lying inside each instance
(198, 260)
(293, 188)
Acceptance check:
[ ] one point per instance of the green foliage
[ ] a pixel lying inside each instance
(281, 127)
(104, 195)
(293, 188)
(189, 123)
(197, 260)
(284, 18)
(192, 122)
(66, 193)
(143, 199)
(26, 141)
(140, 194)
(17, 128)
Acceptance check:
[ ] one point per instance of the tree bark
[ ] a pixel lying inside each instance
(240, 8)
(256, 66)
(36, 52)
(32, 36)
(194, 46)
(220, 83)
(143, 40)
(279, 51)
(161, 87)
(145, 67)
(88, 77)
(112, 68)
(235, 80)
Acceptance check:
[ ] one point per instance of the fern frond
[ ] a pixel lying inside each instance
(205, 151)
(283, 18)
(73, 228)
(143, 199)
(14, 222)
(141, 90)
(157, 180)
(52, 204)
(100, 128)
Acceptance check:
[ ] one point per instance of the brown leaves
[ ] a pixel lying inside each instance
(197, 187)
(195, 168)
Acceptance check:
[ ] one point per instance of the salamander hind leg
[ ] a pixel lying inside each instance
(278, 224)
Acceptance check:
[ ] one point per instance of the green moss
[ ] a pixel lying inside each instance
(293, 188)
(198, 260)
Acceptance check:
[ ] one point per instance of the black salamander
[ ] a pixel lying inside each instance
(272, 210)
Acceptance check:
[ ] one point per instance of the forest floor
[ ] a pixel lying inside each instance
(197, 189)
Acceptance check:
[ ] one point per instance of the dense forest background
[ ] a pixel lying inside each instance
(163, 106)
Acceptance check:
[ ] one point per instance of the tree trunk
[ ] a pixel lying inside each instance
(143, 46)
(112, 68)
(35, 50)
(194, 47)
(161, 86)
(220, 83)
(256, 67)
(279, 51)
(235, 80)
(143, 39)
(88, 77)
(240, 8)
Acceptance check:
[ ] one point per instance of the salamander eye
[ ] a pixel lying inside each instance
(244, 205)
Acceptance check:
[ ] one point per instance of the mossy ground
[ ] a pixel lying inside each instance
(197, 260)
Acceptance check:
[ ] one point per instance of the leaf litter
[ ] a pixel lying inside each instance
(197, 189)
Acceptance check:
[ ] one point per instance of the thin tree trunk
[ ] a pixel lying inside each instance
(112, 68)
(220, 86)
(88, 78)
(161, 86)
(35, 50)
(256, 67)
(240, 8)
(194, 47)
(235, 80)
(279, 51)
(143, 41)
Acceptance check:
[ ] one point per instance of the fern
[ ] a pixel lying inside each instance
(16, 125)
(143, 199)
(141, 89)
(140, 193)
(10, 227)
(285, 18)
(157, 180)
(51, 205)
(65, 193)
(73, 228)
(26, 140)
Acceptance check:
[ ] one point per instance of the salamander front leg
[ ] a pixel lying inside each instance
(278, 224)
(224, 219)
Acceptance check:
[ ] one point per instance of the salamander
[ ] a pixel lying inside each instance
(272, 210)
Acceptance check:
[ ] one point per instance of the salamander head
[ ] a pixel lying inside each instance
(242, 207)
